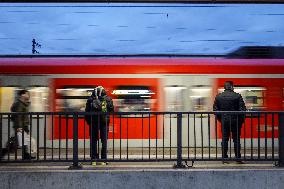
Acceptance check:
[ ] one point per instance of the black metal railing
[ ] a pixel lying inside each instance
(143, 137)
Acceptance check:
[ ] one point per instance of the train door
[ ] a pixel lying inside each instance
(184, 94)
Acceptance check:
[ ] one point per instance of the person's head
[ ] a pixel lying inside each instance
(229, 85)
(99, 92)
(24, 96)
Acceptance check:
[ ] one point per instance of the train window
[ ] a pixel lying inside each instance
(253, 96)
(73, 98)
(200, 96)
(133, 98)
(175, 95)
(7, 97)
(38, 98)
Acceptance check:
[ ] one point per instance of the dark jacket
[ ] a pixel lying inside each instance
(229, 101)
(97, 105)
(23, 120)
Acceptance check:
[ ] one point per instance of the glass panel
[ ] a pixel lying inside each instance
(200, 96)
(175, 98)
(73, 99)
(253, 96)
(7, 97)
(39, 99)
(133, 98)
(75, 91)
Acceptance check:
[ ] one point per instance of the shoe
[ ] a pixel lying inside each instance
(225, 156)
(225, 159)
(4, 152)
(27, 156)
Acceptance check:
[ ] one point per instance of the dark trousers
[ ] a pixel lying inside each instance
(99, 126)
(228, 127)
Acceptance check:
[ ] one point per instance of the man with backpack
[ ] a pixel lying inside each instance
(102, 104)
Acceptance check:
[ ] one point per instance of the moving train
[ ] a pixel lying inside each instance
(140, 83)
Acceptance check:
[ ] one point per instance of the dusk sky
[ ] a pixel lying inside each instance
(108, 28)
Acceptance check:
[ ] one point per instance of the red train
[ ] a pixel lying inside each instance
(138, 83)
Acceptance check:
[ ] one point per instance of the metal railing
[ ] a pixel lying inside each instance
(144, 137)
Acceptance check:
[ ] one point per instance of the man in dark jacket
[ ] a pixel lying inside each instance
(230, 101)
(101, 103)
(21, 123)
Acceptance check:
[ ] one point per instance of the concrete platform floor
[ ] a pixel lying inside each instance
(203, 175)
(204, 165)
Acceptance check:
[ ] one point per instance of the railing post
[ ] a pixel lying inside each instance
(179, 142)
(281, 139)
(75, 143)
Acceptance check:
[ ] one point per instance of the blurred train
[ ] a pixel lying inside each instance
(140, 83)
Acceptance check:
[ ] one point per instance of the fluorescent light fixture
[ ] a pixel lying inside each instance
(250, 88)
(240, 89)
(200, 89)
(77, 89)
(195, 96)
(132, 92)
(175, 88)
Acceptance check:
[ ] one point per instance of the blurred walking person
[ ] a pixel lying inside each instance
(21, 124)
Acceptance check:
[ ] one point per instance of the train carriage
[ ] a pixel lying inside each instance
(142, 83)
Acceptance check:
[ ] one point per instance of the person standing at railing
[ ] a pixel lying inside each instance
(99, 102)
(231, 123)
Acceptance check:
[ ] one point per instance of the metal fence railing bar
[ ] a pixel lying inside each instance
(143, 137)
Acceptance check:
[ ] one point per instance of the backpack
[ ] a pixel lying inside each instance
(104, 105)
(90, 108)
